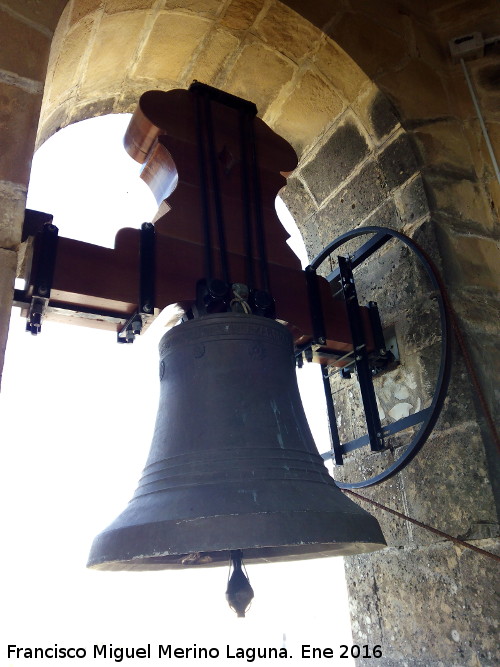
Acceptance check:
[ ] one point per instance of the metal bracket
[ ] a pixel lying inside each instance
(425, 418)
(42, 275)
(145, 312)
(360, 355)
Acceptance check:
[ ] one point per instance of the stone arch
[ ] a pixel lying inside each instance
(306, 87)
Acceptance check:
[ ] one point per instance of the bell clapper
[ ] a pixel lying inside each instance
(239, 593)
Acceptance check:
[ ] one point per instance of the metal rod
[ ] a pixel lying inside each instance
(259, 221)
(334, 432)
(245, 196)
(202, 167)
(214, 172)
(481, 120)
(361, 358)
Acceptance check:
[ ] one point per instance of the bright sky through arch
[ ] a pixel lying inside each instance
(79, 412)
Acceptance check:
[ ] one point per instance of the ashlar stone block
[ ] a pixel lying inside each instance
(400, 85)
(314, 99)
(287, 31)
(208, 8)
(8, 266)
(338, 67)
(18, 121)
(374, 48)
(41, 12)
(353, 203)
(397, 161)
(67, 70)
(419, 597)
(82, 8)
(114, 6)
(114, 46)
(450, 467)
(12, 205)
(15, 55)
(336, 159)
(240, 14)
(221, 44)
(297, 199)
(246, 76)
(173, 41)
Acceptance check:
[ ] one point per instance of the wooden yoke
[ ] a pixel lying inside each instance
(221, 168)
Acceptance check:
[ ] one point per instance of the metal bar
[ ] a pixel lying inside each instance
(147, 269)
(362, 254)
(377, 331)
(315, 308)
(259, 218)
(360, 356)
(245, 197)
(205, 204)
(45, 261)
(336, 452)
(214, 173)
(390, 429)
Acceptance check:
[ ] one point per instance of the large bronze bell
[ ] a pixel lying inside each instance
(233, 465)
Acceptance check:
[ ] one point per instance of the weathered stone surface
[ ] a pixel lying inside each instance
(458, 12)
(356, 200)
(18, 120)
(431, 102)
(336, 159)
(240, 14)
(157, 61)
(320, 12)
(393, 17)
(113, 6)
(407, 590)
(29, 63)
(42, 13)
(199, 7)
(12, 204)
(450, 466)
(411, 201)
(220, 46)
(99, 107)
(287, 31)
(348, 79)
(397, 161)
(459, 198)
(374, 48)
(313, 99)
(67, 74)
(115, 43)
(51, 123)
(443, 143)
(383, 116)
(8, 265)
(246, 80)
(365, 465)
(298, 199)
(81, 8)
(471, 260)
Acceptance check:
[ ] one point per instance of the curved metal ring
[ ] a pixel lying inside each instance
(444, 366)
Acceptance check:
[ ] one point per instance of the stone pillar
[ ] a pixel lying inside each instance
(26, 32)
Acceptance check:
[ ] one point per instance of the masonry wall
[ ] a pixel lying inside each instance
(386, 133)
